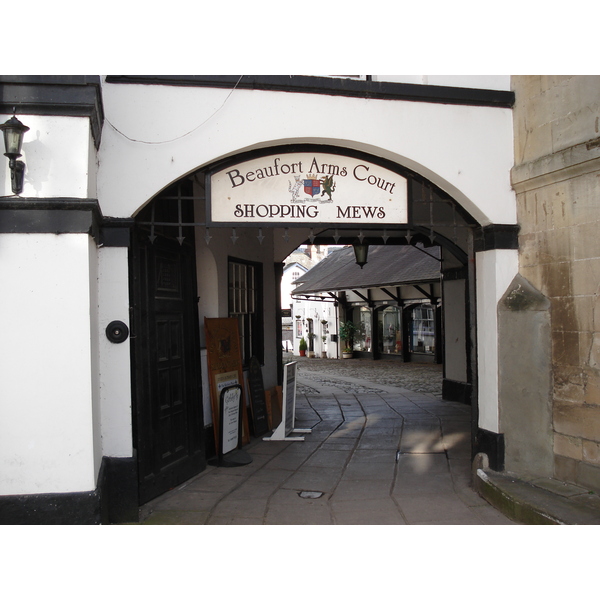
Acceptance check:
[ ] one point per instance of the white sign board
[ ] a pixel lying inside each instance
(306, 188)
(231, 418)
(286, 427)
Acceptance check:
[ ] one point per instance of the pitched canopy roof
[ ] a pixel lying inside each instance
(386, 266)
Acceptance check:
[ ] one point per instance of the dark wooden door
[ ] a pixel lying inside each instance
(167, 380)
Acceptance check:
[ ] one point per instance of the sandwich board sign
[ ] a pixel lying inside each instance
(258, 403)
(231, 404)
(230, 413)
(288, 409)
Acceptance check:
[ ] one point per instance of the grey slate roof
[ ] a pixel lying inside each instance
(386, 266)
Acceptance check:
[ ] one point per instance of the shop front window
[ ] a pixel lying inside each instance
(389, 324)
(422, 329)
(362, 337)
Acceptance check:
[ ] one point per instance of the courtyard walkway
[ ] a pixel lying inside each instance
(379, 453)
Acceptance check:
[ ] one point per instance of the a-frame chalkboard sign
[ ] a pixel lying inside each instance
(258, 404)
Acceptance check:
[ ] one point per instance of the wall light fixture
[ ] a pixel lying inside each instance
(14, 131)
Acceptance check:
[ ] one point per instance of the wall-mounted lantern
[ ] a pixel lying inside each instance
(14, 131)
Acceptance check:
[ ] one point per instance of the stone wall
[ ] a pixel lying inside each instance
(557, 181)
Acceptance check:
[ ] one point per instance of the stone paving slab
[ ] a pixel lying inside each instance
(357, 491)
(177, 517)
(373, 511)
(314, 479)
(440, 484)
(442, 509)
(379, 456)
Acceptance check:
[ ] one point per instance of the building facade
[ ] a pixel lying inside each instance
(117, 249)
(309, 319)
(393, 301)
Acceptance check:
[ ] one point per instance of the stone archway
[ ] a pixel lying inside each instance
(433, 217)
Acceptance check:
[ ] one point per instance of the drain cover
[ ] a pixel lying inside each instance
(308, 494)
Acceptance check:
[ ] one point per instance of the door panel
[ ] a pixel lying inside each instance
(168, 396)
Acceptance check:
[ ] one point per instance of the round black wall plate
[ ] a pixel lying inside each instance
(117, 332)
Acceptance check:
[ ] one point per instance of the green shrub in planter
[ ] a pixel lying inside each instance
(346, 333)
(302, 347)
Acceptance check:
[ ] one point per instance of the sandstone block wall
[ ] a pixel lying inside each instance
(557, 181)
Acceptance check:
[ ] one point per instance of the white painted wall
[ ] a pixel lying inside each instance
(114, 359)
(467, 151)
(59, 157)
(46, 415)
(495, 269)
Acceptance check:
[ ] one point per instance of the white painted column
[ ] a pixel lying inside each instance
(495, 269)
(46, 378)
(115, 364)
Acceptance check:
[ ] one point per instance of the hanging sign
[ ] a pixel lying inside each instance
(304, 188)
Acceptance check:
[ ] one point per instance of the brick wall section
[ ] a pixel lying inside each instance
(557, 180)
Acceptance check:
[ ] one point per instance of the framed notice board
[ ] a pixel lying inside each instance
(224, 361)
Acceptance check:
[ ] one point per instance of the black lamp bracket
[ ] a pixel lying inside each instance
(17, 175)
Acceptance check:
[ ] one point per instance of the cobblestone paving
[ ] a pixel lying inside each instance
(424, 378)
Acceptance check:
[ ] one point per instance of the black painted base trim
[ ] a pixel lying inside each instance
(491, 444)
(457, 391)
(51, 509)
(115, 500)
(119, 490)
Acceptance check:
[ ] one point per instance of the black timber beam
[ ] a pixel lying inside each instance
(332, 86)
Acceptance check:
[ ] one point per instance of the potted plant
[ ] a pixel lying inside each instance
(346, 333)
(311, 337)
(302, 347)
(323, 350)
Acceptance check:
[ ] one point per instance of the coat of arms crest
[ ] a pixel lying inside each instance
(313, 187)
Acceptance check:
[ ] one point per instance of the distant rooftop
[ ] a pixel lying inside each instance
(386, 266)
